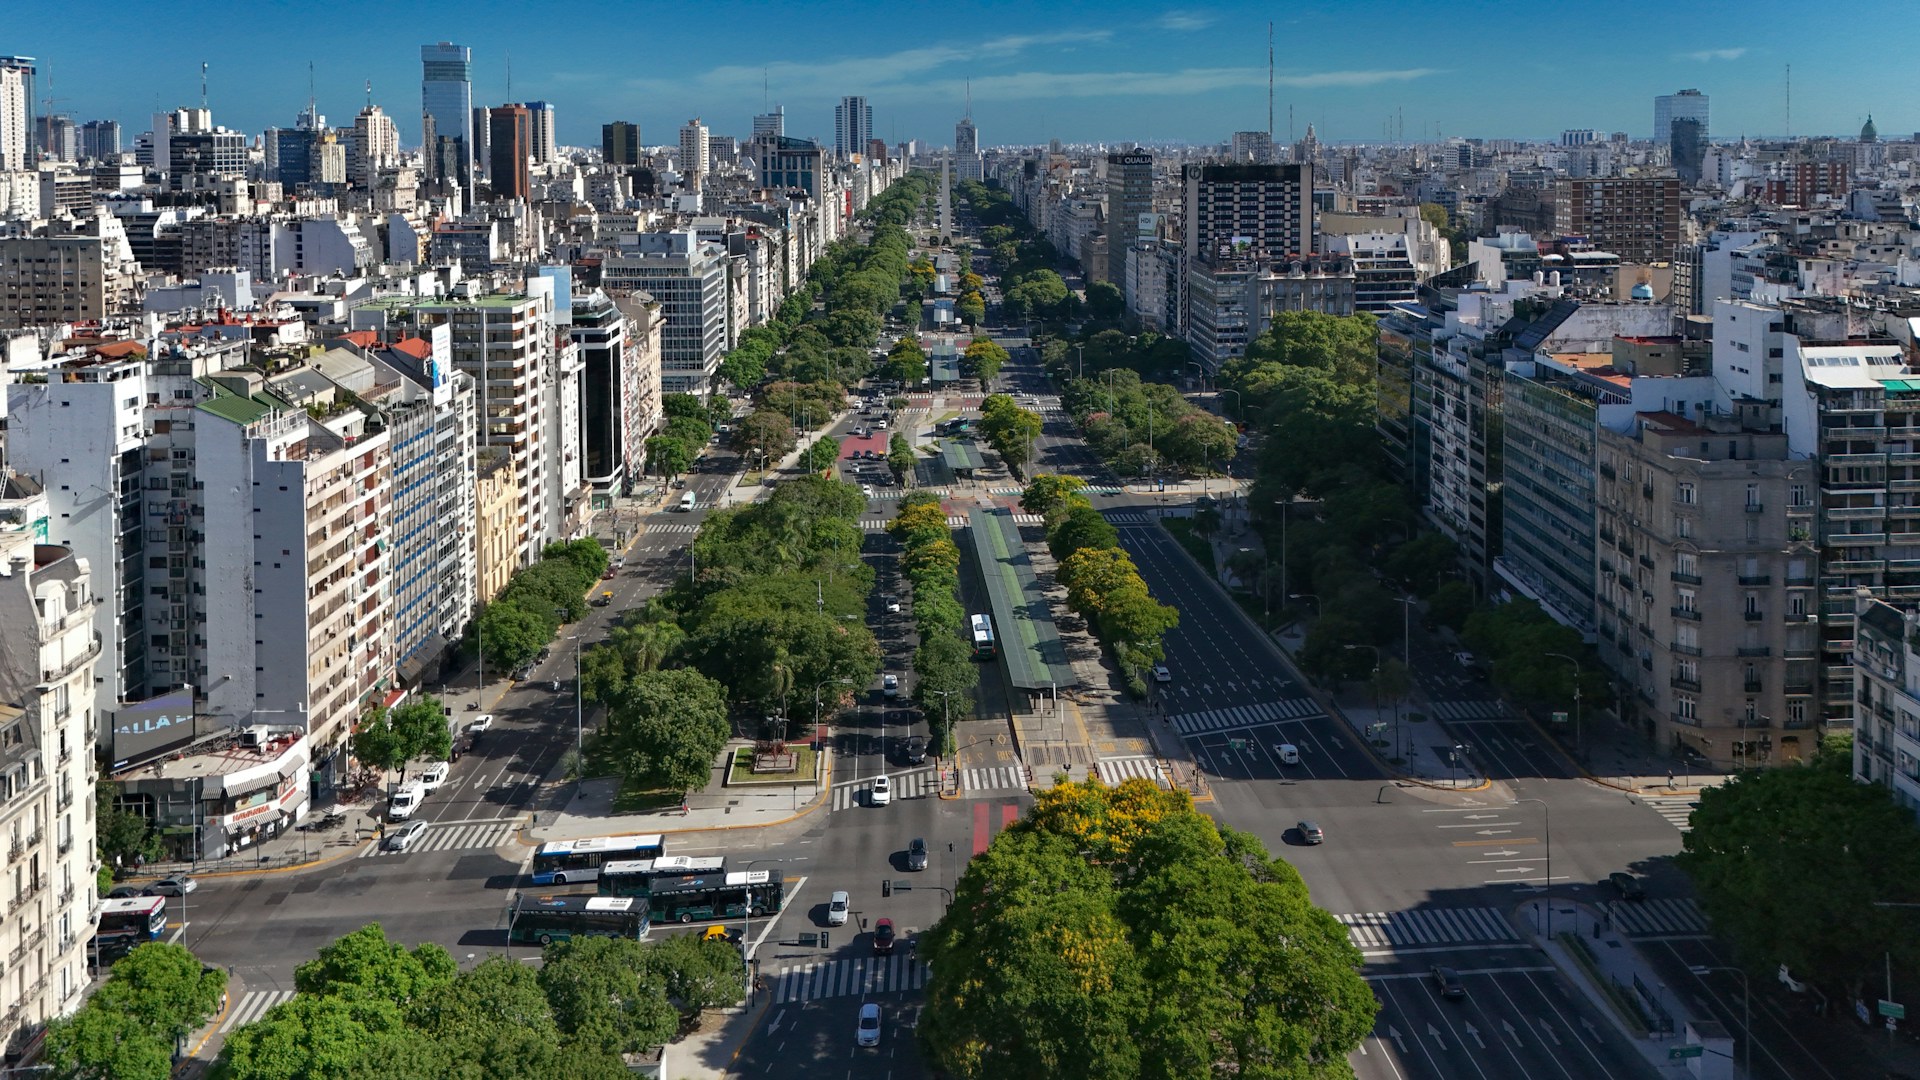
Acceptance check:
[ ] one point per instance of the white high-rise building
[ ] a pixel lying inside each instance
(1685, 105)
(16, 112)
(540, 132)
(852, 127)
(376, 146)
(693, 154)
(967, 164)
(771, 125)
(688, 277)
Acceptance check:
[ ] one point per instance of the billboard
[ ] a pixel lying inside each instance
(143, 730)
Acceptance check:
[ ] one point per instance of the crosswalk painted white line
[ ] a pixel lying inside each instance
(999, 778)
(1659, 917)
(1114, 770)
(456, 836)
(1426, 926)
(1128, 519)
(673, 527)
(1240, 716)
(844, 978)
(1468, 710)
(921, 784)
(1677, 809)
(252, 1006)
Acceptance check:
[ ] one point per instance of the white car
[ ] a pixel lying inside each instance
(837, 907)
(881, 793)
(1161, 674)
(403, 837)
(893, 607)
(1288, 753)
(480, 723)
(433, 775)
(890, 685)
(868, 1033)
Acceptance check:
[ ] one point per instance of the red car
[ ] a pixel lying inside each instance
(883, 936)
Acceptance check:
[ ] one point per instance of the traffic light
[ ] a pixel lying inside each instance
(823, 939)
(886, 886)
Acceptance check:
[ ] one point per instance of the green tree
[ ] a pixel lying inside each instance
(906, 362)
(630, 648)
(665, 728)
(1083, 527)
(983, 359)
(367, 964)
(1420, 563)
(1116, 933)
(698, 973)
(1009, 429)
(606, 995)
(971, 308)
(389, 738)
(1105, 301)
(1811, 845)
(900, 457)
(820, 455)
(668, 456)
(121, 834)
(1050, 493)
(153, 996)
(766, 433)
(513, 635)
(683, 406)
(745, 366)
(1451, 604)
(1344, 347)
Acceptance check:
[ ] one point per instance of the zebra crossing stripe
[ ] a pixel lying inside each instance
(253, 1005)
(1660, 917)
(843, 978)
(1386, 929)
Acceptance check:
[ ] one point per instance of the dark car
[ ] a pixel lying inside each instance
(1628, 886)
(917, 854)
(1446, 982)
(883, 936)
(916, 749)
(122, 892)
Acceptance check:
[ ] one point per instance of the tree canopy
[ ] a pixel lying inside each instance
(1116, 933)
(127, 1029)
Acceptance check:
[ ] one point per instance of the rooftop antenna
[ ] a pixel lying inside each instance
(310, 95)
(1789, 101)
(1269, 82)
(203, 84)
(969, 99)
(369, 93)
(509, 76)
(766, 92)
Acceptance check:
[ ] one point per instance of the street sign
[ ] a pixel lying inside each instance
(1682, 1053)
(1559, 717)
(1236, 745)
(1893, 1010)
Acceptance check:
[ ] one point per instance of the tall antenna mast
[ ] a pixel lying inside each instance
(969, 98)
(310, 94)
(509, 76)
(1789, 101)
(369, 93)
(203, 84)
(766, 90)
(1269, 83)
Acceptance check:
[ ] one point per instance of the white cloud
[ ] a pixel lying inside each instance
(869, 74)
(1706, 56)
(1178, 19)
(1039, 85)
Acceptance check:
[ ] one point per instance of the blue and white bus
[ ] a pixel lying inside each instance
(562, 862)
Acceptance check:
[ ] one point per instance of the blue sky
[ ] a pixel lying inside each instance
(1081, 72)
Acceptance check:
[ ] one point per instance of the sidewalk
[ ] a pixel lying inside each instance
(585, 809)
(1609, 969)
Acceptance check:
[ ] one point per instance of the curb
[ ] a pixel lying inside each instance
(819, 800)
(345, 853)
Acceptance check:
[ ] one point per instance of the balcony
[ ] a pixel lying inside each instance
(1755, 687)
(1756, 579)
(1754, 616)
(1646, 491)
(1684, 684)
(1685, 613)
(1798, 689)
(1753, 650)
(1689, 721)
(1685, 650)
(1756, 508)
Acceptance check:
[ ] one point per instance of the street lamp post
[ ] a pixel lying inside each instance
(746, 933)
(1237, 406)
(1406, 629)
(1547, 887)
(1577, 672)
(1303, 595)
(1266, 591)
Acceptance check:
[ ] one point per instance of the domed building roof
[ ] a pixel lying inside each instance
(1868, 133)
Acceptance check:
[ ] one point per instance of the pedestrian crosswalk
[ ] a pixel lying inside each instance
(894, 493)
(1129, 519)
(1677, 809)
(1114, 770)
(1001, 778)
(845, 978)
(1240, 716)
(450, 836)
(1426, 926)
(920, 784)
(252, 1006)
(1640, 917)
(1090, 489)
(1468, 710)
(674, 527)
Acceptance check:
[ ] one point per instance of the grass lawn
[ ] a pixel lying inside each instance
(740, 770)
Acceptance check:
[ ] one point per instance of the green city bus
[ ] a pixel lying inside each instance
(688, 897)
(542, 920)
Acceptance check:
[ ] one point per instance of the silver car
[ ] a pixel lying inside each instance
(403, 837)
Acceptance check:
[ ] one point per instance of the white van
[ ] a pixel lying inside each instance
(688, 502)
(433, 776)
(405, 800)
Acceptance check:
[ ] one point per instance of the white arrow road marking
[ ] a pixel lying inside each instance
(775, 1026)
(1511, 1033)
(1434, 1034)
(1547, 1030)
(1474, 1034)
(1493, 832)
(1592, 1031)
(1398, 1040)
(1514, 869)
(1480, 817)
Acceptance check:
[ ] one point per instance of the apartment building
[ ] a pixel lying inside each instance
(688, 278)
(1636, 218)
(1886, 726)
(47, 711)
(619, 388)
(499, 539)
(67, 272)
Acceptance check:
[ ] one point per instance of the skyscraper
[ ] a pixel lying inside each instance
(56, 137)
(693, 154)
(100, 140)
(376, 145)
(16, 112)
(852, 127)
(1129, 207)
(446, 112)
(620, 143)
(771, 125)
(541, 129)
(1688, 104)
(966, 151)
(510, 143)
(1688, 146)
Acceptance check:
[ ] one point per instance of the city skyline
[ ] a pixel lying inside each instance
(1130, 72)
